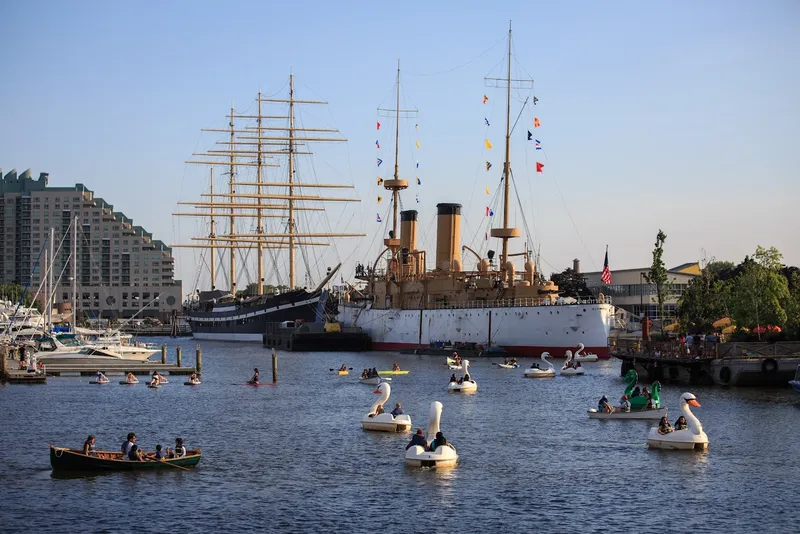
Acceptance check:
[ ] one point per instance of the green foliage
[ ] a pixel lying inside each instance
(793, 306)
(704, 301)
(570, 283)
(758, 296)
(13, 292)
(657, 275)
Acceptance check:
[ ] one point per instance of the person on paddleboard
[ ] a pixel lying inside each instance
(100, 377)
(254, 380)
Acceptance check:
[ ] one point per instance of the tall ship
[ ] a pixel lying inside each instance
(271, 218)
(499, 303)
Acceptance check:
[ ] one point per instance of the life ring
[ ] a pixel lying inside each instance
(769, 366)
(673, 373)
(725, 375)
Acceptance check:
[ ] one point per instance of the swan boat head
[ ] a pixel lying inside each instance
(385, 391)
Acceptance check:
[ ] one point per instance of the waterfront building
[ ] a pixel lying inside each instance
(629, 289)
(121, 269)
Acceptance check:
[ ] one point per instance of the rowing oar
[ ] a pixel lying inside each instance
(149, 459)
(349, 369)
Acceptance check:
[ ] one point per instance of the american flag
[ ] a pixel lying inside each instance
(606, 276)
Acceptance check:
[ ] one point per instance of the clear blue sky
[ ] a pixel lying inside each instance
(674, 115)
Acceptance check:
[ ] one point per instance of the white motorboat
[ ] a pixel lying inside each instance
(581, 357)
(385, 422)
(443, 456)
(693, 438)
(466, 384)
(652, 414)
(534, 371)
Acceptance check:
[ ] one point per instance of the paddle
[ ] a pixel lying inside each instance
(149, 459)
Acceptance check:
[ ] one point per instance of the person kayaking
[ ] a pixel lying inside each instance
(663, 426)
(101, 378)
(395, 367)
(343, 367)
(681, 423)
(254, 380)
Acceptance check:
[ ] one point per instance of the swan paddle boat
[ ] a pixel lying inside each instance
(443, 456)
(374, 380)
(693, 438)
(580, 356)
(385, 422)
(508, 364)
(466, 385)
(570, 369)
(534, 371)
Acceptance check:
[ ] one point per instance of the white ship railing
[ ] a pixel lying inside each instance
(507, 303)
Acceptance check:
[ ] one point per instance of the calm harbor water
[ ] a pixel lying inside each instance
(293, 457)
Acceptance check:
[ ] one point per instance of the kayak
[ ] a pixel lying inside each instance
(343, 373)
(508, 365)
(392, 372)
(652, 414)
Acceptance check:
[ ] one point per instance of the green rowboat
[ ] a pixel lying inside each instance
(64, 459)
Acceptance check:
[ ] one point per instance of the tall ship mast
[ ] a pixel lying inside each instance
(260, 141)
(405, 305)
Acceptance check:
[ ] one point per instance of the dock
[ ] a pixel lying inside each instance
(116, 367)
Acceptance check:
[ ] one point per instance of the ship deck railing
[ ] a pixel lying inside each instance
(508, 303)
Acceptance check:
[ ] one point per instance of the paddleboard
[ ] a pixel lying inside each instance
(153, 387)
(392, 372)
(124, 383)
(96, 382)
(256, 385)
(191, 383)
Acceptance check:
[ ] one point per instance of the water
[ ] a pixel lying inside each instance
(293, 457)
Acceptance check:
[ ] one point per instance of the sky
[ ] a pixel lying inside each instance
(679, 116)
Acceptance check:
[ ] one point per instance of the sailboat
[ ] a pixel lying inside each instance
(407, 306)
(224, 314)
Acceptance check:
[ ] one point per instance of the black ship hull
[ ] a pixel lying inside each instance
(247, 320)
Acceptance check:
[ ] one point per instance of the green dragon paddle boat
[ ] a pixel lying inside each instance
(638, 403)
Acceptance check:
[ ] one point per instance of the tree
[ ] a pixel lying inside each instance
(793, 306)
(760, 293)
(704, 301)
(13, 292)
(657, 276)
(570, 283)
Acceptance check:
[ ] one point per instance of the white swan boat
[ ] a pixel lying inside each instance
(693, 438)
(385, 422)
(374, 380)
(568, 369)
(656, 414)
(581, 357)
(444, 456)
(467, 384)
(534, 371)
(508, 365)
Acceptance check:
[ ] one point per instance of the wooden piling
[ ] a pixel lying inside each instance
(178, 355)
(274, 367)
(4, 364)
(198, 359)
(164, 354)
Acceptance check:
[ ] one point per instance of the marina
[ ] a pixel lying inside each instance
(544, 418)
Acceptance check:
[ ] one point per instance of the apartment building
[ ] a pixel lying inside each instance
(121, 269)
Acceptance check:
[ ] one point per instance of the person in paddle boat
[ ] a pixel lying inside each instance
(636, 392)
(374, 372)
(467, 378)
(681, 423)
(456, 358)
(365, 373)
(159, 455)
(379, 410)
(576, 364)
(343, 367)
(254, 380)
(128, 443)
(625, 405)
(88, 447)
(398, 410)
(100, 377)
(603, 406)
(438, 441)
(418, 439)
(179, 451)
(135, 454)
(395, 367)
(453, 378)
(663, 426)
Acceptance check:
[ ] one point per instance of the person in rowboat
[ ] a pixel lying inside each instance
(179, 451)
(128, 444)
(159, 455)
(254, 380)
(135, 454)
(88, 447)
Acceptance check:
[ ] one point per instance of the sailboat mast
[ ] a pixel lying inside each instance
(74, 272)
(233, 209)
(396, 192)
(507, 163)
(212, 235)
(52, 290)
(45, 293)
(259, 222)
(291, 181)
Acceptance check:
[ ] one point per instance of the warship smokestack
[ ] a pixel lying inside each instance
(408, 230)
(448, 237)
